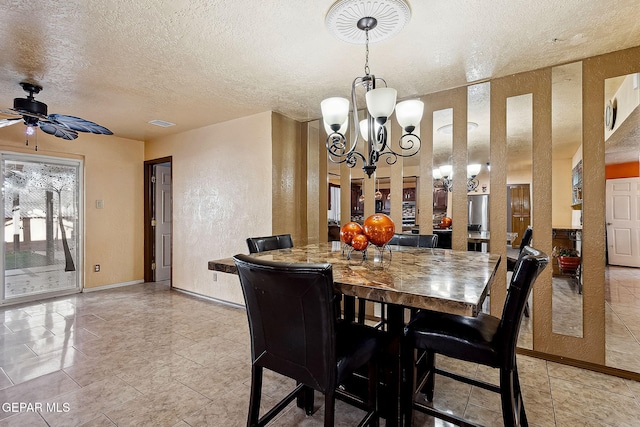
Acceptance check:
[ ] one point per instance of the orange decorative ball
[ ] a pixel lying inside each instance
(446, 222)
(349, 231)
(379, 228)
(360, 242)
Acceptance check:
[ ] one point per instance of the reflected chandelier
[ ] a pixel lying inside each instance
(349, 19)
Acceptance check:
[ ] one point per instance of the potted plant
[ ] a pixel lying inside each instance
(568, 258)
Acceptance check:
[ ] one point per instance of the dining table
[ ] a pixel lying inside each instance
(401, 277)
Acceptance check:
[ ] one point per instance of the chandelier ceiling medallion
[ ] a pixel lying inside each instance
(362, 22)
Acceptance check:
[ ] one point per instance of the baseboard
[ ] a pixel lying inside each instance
(208, 298)
(114, 285)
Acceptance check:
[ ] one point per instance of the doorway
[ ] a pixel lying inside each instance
(42, 199)
(158, 220)
(623, 221)
(518, 210)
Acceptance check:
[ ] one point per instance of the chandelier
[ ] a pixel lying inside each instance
(349, 19)
(443, 177)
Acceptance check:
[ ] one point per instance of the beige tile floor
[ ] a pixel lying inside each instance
(144, 355)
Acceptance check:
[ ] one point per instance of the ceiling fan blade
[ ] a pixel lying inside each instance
(58, 130)
(78, 124)
(9, 122)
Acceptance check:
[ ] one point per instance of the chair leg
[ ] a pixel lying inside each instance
(305, 400)
(372, 393)
(254, 399)
(329, 408)
(407, 386)
(362, 308)
(429, 386)
(513, 412)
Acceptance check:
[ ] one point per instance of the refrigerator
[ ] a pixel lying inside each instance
(478, 209)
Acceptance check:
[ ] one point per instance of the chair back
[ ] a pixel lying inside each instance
(405, 240)
(428, 241)
(529, 265)
(291, 319)
(269, 243)
(416, 240)
(526, 238)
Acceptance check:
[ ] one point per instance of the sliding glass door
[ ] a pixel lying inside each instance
(42, 226)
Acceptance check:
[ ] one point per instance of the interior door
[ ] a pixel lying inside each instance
(520, 210)
(162, 218)
(623, 221)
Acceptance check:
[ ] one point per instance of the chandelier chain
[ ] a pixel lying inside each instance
(366, 62)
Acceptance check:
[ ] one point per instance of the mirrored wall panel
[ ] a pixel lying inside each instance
(566, 122)
(622, 152)
(443, 176)
(519, 208)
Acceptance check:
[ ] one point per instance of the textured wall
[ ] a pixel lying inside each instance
(221, 195)
(289, 183)
(113, 173)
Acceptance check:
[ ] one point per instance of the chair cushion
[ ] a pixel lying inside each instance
(468, 338)
(355, 345)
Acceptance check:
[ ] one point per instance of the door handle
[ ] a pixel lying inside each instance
(609, 223)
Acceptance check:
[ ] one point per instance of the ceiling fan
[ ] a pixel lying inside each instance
(34, 114)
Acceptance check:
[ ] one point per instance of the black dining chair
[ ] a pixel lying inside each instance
(295, 332)
(269, 243)
(526, 241)
(417, 240)
(485, 340)
(511, 262)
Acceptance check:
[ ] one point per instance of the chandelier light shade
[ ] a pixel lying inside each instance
(348, 19)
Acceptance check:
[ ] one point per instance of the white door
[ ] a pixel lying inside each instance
(162, 216)
(623, 221)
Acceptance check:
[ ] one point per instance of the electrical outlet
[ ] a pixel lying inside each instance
(215, 277)
(96, 268)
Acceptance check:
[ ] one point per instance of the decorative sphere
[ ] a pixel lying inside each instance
(349, 231)
(360, 242)
(446, 222)
(379, 228)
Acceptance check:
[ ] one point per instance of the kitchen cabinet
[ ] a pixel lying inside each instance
(520, 210)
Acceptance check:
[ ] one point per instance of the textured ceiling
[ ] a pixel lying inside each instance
(122, 63)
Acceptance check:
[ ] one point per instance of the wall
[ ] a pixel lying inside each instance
(561, 194)
(113, 173)
(222, 187)
(623, 170)
(289, 179)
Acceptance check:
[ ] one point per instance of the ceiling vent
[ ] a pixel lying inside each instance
(161, 123)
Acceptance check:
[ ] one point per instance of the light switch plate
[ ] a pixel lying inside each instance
(99, 204)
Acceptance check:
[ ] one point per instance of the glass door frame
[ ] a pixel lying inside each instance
(78, 229)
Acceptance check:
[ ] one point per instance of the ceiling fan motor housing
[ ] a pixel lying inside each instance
(30, 106)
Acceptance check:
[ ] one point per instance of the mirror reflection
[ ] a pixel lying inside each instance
(566, 108)
(622, 152)
(519, 208)
(443, 175)
(478, 191)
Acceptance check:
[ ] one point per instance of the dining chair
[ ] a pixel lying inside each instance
(416, 240)
(295, 332)
(485, 339)
(269, 243)
(511, 262)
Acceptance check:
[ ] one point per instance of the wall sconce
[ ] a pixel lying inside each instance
(472, 172)
(443, 177)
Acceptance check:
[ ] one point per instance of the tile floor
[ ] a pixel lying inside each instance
(144, 355)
